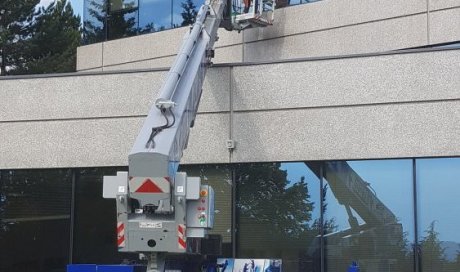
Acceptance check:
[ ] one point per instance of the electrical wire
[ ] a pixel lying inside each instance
(156, 130)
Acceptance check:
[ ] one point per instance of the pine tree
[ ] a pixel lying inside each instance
(53, 43)
(15, 17)
(432, 251)
(189, 13)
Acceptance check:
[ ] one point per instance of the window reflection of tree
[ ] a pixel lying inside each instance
(275, 217)
(266, 196)
(116, 20)
(188, 13)
(433, 252)
(95, 22)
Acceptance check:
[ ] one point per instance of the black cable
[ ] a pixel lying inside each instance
(157, 130)
(174, 118)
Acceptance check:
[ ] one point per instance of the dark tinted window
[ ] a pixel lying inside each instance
(35, 219)
(95, 220)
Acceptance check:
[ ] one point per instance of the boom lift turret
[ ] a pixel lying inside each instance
(161, 211)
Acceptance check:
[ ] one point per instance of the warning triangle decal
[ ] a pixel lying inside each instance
(148, 187)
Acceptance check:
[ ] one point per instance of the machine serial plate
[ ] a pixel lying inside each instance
(150, 225)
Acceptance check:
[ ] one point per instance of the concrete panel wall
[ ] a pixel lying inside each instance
(330, 14)
(318, 29)
(443, 4)
(385, 106)
(380, 131)
(163, 62)
(150, 51)
(98, 142)
(83, 120)
(389, 106)
(445, 25)
(207, 142)
(89, 56)
(74, 97)
(98, 96)
(70, 143)
(379, 36)
(350, 81)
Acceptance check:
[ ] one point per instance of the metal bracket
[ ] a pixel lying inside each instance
(230, 144)
(210, 53)
(164, 104)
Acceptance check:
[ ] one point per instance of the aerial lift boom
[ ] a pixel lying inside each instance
(161, 211)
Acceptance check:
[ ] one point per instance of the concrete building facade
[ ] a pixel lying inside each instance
(334, 91)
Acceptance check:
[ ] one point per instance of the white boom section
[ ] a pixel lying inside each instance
(164, 135)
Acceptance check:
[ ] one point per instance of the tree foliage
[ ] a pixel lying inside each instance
(53, 46)
(15, 17)
(42, 40)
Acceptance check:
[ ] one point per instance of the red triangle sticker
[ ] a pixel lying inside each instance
(149, 187)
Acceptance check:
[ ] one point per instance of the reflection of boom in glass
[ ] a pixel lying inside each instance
(380, 230)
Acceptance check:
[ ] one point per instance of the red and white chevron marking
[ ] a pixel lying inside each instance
(181, 236)
(149, 185)
(120, 234)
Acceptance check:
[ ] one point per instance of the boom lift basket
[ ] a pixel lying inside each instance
(260, 13)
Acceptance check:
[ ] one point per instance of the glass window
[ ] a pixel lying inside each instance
(112, 19)
(278, 207)
(122, 19)
(438, 186)
(94, 21)
(155, 15)
(285, 3)
(219, 177)
(185, 11)
(119, 5)
(369, 215)
(35, 219)
(95, 220)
